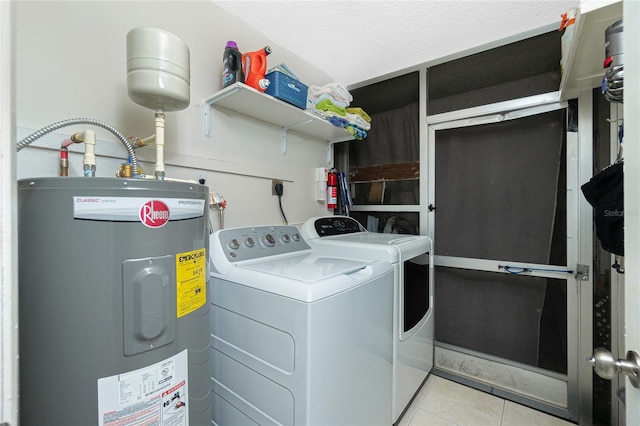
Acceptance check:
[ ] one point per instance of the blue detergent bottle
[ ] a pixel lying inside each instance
(231, 64)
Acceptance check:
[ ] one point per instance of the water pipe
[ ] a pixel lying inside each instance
(142, 142)
(89, 160)
(159, 144)
(87, 137)
(75, 121)
(64, 161)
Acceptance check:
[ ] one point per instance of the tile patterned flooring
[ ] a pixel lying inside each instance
(441, 402)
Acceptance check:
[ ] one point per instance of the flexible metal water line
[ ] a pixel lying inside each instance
(75, 121)
(613, 84)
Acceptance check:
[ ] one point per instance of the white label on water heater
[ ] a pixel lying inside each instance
(136, 209)
(156, 394)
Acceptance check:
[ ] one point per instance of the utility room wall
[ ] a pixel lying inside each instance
(71, 63)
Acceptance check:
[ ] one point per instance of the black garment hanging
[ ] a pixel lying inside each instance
(605, 193)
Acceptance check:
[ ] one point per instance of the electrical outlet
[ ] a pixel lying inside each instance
(274, 182)
(199, 174)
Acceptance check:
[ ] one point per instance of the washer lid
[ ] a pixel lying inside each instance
(305, 267)
(307, 277)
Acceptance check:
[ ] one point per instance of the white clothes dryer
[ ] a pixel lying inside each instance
(297, 338)
(413, 318)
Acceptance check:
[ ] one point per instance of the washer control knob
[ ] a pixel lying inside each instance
(248, 242)
(295, 237)
(234, 244)
(269, 240)
(285, 238)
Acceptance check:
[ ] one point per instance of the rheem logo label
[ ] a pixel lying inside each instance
(154, 214)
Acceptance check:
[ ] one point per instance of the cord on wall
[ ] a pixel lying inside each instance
(279, 187)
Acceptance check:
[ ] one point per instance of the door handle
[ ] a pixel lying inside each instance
(607, 367)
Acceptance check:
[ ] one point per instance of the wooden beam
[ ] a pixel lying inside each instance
(398, 171)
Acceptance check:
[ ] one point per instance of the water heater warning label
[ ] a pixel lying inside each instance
(191, 274)
(153, 395)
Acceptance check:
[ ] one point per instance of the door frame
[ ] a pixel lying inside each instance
(577, 384)
(631, 48)
(9, 361)
(617, 290)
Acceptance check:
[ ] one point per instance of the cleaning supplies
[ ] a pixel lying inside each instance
(231, 64)
(254, 67)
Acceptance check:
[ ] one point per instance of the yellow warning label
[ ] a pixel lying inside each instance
(191, 281)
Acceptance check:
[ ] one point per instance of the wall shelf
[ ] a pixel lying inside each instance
(244, 99)
(583, 69)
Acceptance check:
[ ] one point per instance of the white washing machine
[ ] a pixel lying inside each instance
(297, 338)
(413, 318)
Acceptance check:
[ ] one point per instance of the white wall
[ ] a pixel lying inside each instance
(71, 62)
(388, 36)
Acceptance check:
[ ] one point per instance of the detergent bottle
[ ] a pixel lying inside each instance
(231, 64)
(254, 67)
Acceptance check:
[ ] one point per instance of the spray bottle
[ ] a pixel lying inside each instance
(254, 67)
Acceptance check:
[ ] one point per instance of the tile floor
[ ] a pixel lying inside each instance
(441, 402)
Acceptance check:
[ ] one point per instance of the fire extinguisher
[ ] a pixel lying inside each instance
(332, 190)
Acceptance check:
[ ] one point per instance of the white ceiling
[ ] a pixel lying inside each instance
(355, 41)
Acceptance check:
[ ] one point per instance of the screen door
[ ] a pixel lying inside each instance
(504, 224)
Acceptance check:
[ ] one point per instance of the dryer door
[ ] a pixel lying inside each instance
(416, 294)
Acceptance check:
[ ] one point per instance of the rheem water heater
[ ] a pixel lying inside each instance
(113, 305)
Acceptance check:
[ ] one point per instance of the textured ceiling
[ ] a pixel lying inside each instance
(355, 41)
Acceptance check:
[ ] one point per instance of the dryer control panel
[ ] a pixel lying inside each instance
(239, 244)
(336, 225)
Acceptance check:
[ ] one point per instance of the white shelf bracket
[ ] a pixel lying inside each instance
(208, 103)
(287, 128)
(330, 145)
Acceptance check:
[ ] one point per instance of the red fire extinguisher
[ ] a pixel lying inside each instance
(332, 190)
